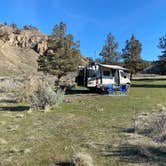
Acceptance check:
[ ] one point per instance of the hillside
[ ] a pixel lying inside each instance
(20, 49)
(153, 68)
(14, 61)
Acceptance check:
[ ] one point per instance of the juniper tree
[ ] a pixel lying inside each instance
(109, 52)
(162, 58)
(132, 55)
(62, 55)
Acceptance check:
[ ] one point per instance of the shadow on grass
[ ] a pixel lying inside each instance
(132, 130)
(147, 86)
(14, 108)
(79, 91)
(138, 154)
(149, 79)
(65, 164)
(8, 101)
(124, 130)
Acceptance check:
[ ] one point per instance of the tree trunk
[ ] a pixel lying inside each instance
(131, 76)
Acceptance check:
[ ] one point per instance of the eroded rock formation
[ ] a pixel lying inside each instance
(24, 38)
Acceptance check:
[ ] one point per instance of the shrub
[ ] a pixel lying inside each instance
(158, 127)
(46, 97)
(29, 85)
(152, 125)
(39, 92)
(29, 27)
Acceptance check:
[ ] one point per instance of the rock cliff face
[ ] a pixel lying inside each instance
(20, 49)
(30, 38)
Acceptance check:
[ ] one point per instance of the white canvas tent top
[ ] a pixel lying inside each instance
(114, 67)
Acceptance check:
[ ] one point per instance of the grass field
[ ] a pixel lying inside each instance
(88, 123)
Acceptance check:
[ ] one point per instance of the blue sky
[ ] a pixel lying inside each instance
(91, 20)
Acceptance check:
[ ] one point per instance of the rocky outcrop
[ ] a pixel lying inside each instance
(41, 47)
(20, 49)
(23, 38)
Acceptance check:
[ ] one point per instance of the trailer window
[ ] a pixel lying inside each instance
(123, 74)
(91, 73)
(106, 73)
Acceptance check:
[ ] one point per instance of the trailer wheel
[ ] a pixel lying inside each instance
(92, 90)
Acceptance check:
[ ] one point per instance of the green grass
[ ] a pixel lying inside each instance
(89, 123)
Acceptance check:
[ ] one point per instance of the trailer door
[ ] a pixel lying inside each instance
(123, 77)
(117, 78)
(81, 77)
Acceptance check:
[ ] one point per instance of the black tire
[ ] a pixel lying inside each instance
(92, 90)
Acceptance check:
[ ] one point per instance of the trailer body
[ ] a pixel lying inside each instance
(100, 76)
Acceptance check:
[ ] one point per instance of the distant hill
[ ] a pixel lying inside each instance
(151, 69)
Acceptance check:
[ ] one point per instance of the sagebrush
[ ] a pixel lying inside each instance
(152, 125)
(46, 97)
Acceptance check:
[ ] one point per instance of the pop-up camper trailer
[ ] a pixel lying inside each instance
(100, 76)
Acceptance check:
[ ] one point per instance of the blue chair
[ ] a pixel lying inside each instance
(123, 89)
(111, 89)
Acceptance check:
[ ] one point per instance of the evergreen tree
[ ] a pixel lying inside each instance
(109, 52)
(90, 59)
(14, 26)
(132, 55)
(162, 58)
(62, 55)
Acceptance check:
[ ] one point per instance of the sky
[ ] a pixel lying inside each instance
(91, 20)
